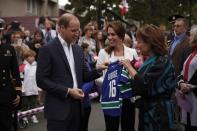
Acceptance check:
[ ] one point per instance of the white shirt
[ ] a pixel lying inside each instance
(69, 54)
(29, 86)
(103, 56)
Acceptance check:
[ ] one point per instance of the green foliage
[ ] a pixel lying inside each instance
(144, 11)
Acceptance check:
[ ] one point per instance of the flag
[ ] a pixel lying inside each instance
(124, 7)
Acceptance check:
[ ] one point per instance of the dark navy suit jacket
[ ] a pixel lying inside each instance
(54, 76)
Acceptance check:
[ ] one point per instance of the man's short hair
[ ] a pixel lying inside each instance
(65, 19)
(184, 21)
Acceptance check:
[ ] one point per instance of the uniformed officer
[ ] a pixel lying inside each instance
(10, 85)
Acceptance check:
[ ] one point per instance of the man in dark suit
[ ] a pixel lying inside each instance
(179, 50)
(61, 71)
(179, 47)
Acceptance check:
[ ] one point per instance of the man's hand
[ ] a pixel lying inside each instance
(185, 87)
(103, 66)
(17, 100)
(76, 93)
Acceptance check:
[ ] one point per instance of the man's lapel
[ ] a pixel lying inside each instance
(62, 53)
(76, 57)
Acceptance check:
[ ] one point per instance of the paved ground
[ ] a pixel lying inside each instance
(96, 122)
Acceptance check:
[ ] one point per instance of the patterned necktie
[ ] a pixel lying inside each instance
(48, 36)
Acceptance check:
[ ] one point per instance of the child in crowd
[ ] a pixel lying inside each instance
(87, 87)
(29, 88)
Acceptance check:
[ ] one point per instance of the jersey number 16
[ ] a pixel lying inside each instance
(112, 88)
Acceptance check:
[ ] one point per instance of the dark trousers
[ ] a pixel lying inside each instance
(85, 119)
(71, 123)
(5, 117)
(127, 118)
(188, 127)
(111, 123)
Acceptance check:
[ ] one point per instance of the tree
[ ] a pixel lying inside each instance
(144, 11)
(95, 10)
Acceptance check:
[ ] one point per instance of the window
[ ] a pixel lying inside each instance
(31, 6)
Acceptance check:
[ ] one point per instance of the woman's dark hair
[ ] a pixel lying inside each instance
(39, 32)
(155, 37)
(119, 30)
(41, 20)
(102, 41)
(84, 46)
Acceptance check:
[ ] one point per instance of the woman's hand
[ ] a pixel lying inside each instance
(37, 45)
(127, 64)
(184, 87)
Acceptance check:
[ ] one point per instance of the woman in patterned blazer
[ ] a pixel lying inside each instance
(154, 81)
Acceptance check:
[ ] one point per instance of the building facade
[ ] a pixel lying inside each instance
(15, 8)
(27, 12)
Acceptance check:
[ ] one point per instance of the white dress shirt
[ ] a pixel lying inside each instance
(69, 54)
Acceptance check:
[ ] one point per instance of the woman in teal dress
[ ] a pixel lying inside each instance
(155, 82)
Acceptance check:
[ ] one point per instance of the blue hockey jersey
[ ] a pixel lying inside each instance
(115, 87)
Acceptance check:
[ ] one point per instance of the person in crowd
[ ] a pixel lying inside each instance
(87, 38)
(116, 50)
(128, 41)
(187, 82)
(94, 26)
(14, 26)
(100, 41)
(48, 32)
(29, 87)
(19, 46)
(171, 33)
(87, 87)
(41, 21)
(155, 82)
(132, 34)
(37, 43)
(27, 37)
(88, 57)
(61, 71)
(179, 48)
(10, 85)
(1, 28)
